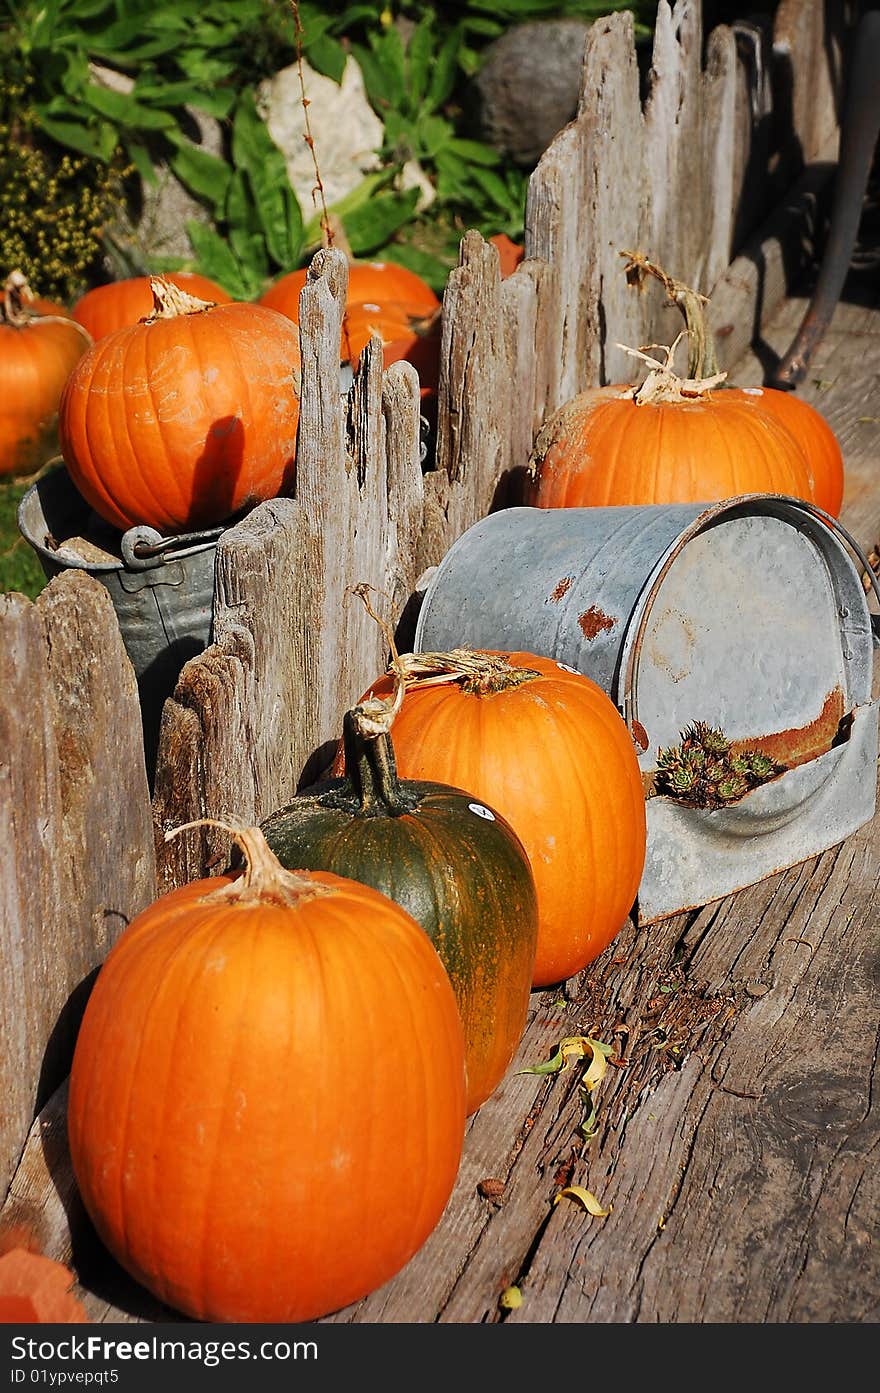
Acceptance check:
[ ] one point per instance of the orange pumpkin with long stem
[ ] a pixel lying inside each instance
(668, 440)
(267, 1097)
(186, 418)
(39, 348)
(803, 421)
(547, 748)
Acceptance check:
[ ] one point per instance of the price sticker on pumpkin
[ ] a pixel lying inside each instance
(482, 812)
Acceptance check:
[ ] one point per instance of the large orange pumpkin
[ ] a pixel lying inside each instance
(547, 748)
(617, 445)
(38, 350)
(186, 418)
(816, 438)
(120, 303)
(267, 1097)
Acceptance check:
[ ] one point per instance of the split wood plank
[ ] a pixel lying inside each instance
(75, 819)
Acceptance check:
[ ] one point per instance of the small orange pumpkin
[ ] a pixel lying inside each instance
(186, 418)
(39, 347)
(106, 308)
(267, 1096)
(548, 749)
(510, 253)
(35, 1290)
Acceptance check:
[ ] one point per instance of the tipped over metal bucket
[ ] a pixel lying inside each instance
(748, 615)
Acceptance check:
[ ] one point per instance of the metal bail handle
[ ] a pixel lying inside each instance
(629, 705)
(143, 548)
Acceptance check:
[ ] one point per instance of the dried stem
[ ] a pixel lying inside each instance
(169, 301)
(331, 230)
(264, 879)
(662, 384)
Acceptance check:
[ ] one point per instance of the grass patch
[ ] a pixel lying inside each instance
(20, 567)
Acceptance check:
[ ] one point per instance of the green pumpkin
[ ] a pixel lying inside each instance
(456, 865)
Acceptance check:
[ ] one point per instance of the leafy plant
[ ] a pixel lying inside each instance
(114, 83)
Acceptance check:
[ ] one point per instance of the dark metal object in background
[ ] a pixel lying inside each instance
(858, 137)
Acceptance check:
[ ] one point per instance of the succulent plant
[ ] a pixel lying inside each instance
(704, 772)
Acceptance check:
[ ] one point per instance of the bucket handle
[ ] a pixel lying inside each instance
(628, 704)
(143, 547)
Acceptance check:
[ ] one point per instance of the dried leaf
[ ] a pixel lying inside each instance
(510, 1299)
(575, 1047)
(583, 1197)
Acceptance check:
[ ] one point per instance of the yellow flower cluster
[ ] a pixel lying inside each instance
(53, 208)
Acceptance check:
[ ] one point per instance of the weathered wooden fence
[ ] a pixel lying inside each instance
(674, 174)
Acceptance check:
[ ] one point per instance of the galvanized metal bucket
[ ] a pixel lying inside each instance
(162, 588)
(748, 614)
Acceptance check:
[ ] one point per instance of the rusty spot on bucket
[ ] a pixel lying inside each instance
(798, 745)
(595, 621)
(561, 589)
(640, 736)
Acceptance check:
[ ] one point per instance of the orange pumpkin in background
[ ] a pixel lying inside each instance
(548, 749)
(373, 282)
(267, 1096)
(683, 440)
(120, 303)
(39, 347)
(510, 253)
(184, 419)
(384, 299)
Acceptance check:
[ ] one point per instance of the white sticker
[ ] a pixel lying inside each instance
(753, 391)
(566, 668)
(482, 812)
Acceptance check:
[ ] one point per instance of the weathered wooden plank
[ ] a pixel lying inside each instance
(808, 59)
(760, 1143)
(75, 819)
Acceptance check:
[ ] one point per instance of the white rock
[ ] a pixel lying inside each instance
(345, 128)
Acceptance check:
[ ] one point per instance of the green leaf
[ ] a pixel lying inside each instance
(432, 269)
(99, 142)
(443, 74)
(123, 110)
(370, 226)
(343, 207)
(216, 260)
(254, 151)
(474, 151)
(204, 174)
(173, 94)
(327, 56)
(140, 158)
(419, 54)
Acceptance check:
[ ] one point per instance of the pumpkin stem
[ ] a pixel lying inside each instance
(169, 300)
(702, 357)
(16, 307)
(480, 673)
(662, 384)
(371, 769)
(264, 879)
